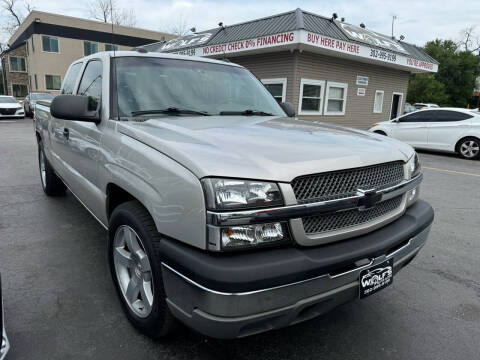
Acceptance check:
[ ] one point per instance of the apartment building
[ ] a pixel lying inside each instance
(45, 45)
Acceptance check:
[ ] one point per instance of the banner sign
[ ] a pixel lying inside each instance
(299, 37)
(370, 37)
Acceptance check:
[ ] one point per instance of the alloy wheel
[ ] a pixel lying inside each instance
(133, 271)
(470, 148)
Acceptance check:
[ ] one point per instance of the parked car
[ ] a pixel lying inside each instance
(420, 106)
(10, 107)
(31, 99)
(409, 108)
(223, 210)
(444, 129)
(4, 344)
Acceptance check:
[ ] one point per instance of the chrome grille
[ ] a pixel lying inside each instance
(349, 218)
(344, 183)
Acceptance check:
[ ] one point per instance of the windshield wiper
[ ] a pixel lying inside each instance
(170, 110)
(246, 112)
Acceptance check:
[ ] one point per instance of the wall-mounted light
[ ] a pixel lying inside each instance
(334, 17)
(362, 25)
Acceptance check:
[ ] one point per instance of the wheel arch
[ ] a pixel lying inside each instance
(459, 141)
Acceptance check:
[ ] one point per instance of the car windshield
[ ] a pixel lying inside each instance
(7, 100)
(174, 87)
(41, 96)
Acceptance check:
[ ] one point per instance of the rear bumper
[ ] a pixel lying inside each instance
(239, 295)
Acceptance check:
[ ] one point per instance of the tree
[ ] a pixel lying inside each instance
(426, 89)
(14, 17)
(457, 72)
(179, 28)
(109, 12)
(470, 40)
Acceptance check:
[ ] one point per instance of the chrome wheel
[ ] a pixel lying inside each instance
(43, 172)
(470, 148)
(133, 271)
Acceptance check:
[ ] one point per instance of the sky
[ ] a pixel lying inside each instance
(419, 21)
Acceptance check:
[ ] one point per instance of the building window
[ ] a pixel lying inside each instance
(336, 100)
(378, 104)
(19, 90)
(110, 47)
(53, 82)
(17, 64)
(50, 44)
(89, 48)
(36, 82)
(311, 97)
(277, 87)
(33, 45)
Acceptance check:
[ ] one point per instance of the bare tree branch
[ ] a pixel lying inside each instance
(109, 12)
(180, 27)
(470, 40)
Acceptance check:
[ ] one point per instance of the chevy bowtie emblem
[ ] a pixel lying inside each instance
(368, 198)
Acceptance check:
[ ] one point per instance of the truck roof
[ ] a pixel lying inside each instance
(110, 54)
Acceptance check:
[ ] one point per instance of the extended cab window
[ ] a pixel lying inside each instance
(71, 78)
(91, 84)
(420, 116)
(146, 84)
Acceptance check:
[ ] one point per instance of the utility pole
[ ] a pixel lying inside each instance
(394, 17)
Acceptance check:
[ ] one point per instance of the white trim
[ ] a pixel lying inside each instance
(399, 105)
(282, 81)
(50, 52)
(10, 64)
(344, 86)
(320, 83)
(45, 78)
(375, 101)
(93, 42)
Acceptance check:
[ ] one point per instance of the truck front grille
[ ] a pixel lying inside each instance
(349, 218)
(343, 183)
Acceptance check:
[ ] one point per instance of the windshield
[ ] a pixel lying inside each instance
(148, 84)
(41, 96)
(7, 100)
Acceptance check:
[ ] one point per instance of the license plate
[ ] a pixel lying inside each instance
(376, 278)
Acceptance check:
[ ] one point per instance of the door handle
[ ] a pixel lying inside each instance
(66, 133)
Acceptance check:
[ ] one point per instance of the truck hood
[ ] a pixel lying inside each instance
(259, 147)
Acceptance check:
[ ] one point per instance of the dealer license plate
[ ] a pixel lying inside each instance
(376, 278)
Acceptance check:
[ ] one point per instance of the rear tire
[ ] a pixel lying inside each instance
(136, 269)
(51, 183)
(469, 148)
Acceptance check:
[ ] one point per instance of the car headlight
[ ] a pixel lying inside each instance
(413, 169)
(234, 194)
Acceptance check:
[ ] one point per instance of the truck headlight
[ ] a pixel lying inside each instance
(413, 169)
(253, 235)
(234, 194)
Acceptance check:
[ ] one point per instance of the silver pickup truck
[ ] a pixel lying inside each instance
(223, 210)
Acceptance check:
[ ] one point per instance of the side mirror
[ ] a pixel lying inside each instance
(74, 107)
(288, 108)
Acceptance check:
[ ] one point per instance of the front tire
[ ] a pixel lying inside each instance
(136, 271)
(469, 148)
(51, 183)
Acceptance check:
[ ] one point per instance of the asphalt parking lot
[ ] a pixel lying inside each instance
(60, 302)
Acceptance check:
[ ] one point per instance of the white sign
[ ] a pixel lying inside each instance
(361, 91)
(305, 38)
(370, 37)
(187, 41)
(362, 80)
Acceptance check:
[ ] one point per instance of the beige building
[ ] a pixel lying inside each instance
(329, 70)
(45, 45)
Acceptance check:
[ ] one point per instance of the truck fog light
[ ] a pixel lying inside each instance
(412, 195)
(251, 235)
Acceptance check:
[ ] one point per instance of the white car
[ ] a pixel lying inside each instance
(420, 106)
(10, 107)
(443, 129)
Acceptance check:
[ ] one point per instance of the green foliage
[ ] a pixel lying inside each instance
(454, 82)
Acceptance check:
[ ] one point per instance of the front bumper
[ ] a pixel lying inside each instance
(229, 296)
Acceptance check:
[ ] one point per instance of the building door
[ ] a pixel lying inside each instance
(396, 105)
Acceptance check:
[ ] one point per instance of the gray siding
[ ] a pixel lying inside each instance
(359, 109)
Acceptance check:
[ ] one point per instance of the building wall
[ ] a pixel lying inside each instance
(20, 78)
(43, 63)
(359, 109)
